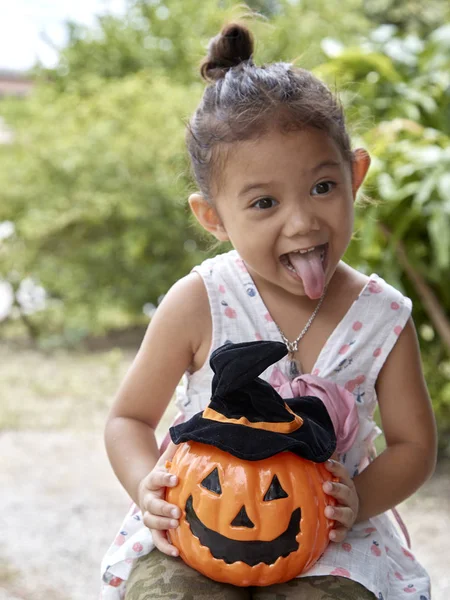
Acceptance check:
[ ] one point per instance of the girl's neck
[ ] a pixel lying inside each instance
(278, 300)
(291, 312)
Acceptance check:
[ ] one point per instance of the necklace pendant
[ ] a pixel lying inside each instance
(291, 346)
(293, 367)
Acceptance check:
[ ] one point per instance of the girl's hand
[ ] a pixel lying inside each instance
(159, 515)
(346, 510)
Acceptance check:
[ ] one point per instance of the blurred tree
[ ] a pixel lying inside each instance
(93, 186)
(409, 16)
(268, 8)
(172, 37)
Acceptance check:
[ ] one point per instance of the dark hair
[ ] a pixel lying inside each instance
(243, 101)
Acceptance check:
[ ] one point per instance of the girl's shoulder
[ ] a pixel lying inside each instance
(351, 280)
(345, 289)
(373, 287)
(183, 313)
(379, 306)
(219, 263)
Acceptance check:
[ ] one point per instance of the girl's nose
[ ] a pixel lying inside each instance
(301, 220)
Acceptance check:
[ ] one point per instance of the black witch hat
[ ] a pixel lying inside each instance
(248, 418)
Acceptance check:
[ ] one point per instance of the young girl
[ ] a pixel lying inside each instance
(278, 179)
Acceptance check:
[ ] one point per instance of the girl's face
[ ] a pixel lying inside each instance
(285, 202)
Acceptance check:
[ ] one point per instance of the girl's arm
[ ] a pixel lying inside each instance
(409, 428)
(177, 338)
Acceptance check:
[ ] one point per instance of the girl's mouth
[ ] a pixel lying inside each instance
(308, 265)
(323, 255)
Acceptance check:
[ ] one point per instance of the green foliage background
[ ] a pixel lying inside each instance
(96, 180)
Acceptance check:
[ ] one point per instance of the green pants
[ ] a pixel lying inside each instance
(158, 576)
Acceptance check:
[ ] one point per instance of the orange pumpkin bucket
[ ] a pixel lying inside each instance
(250, 475)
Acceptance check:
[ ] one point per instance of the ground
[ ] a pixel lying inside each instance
(60, 504)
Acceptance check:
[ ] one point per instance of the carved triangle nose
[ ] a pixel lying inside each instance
(242, 519)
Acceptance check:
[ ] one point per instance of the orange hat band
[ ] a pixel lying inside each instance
(280, 427)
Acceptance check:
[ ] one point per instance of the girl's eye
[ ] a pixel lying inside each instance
(264, 203)
(324, 187)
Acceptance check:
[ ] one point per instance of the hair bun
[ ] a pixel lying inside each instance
(233, 45)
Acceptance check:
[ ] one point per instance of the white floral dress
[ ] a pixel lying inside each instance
(374, 553)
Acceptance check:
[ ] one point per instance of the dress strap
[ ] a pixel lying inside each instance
(402, 526)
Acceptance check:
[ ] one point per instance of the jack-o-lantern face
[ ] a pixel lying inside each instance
(248, 522)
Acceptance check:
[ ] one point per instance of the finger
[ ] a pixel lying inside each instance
(342, 514)
(340, 491)
(162, 543)
(338, 470)
(160, 478)
(338, 534)
(159, 523)
(161, 508)
(168, 453)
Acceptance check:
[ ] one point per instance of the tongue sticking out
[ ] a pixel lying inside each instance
(309, 268)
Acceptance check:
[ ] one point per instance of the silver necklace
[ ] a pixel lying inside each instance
(293, 365)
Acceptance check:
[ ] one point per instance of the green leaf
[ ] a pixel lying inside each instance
(426, 189)
(443, 186)
(439, 230)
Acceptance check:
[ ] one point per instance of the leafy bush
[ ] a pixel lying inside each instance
(93, 186)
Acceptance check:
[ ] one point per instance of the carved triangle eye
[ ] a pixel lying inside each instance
(275, 491)
(212, 483)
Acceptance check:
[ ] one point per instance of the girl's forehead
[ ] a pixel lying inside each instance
(309, 144)
(301, 153)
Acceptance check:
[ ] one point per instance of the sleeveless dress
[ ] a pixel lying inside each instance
(374, 553)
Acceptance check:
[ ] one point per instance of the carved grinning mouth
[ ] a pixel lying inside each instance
(251, 552)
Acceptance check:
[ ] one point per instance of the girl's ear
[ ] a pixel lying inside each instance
(208, 217)
(360, 166)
